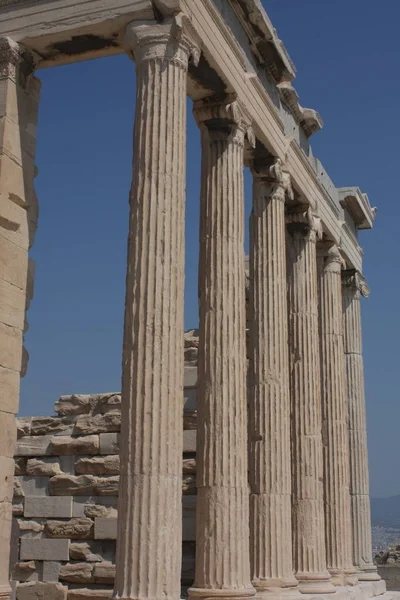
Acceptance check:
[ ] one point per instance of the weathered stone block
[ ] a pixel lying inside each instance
(189, 484)
(105, 529)
(25, 571)
(13, 263)
(23, 426)
(88, 551)
(29, 528)
(107, 486)
(50, 425)
(12, 303)
(73, 405)
(44, 549)
(41, 591)
(6, 479)
(99, 465)
(51, 507)
(94, 506)
(190, 377)
(11, 347)
(88, 424)
(104, 573)
(69, 445)
(33, 446)
(189, 465)
(109, 443)
(34, 486)
(51, 570)
(89, 594)
(67, 464)
(78, 529)
(9, 385)
(45, 467)
(20, 466)
(8, 432)
(189, 419)
(189, 441)
(18, 508)
(72, 485)
(76, 572)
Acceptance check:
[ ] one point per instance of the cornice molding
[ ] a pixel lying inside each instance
(308, 118)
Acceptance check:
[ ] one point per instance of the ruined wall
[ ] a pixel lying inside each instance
(65, 496)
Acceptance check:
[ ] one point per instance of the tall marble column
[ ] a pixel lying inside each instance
(354, 287)
(222, 547)
(269, 394)
(19, 99)
(149, 538)
(309, 555)
(334, 419)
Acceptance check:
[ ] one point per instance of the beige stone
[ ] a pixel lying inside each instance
(89, 444)
(105, 529)
(76, 572)
(43, 467)
(269, 386)
(20, 466)
(151, 433)
(104, 573)
(29, 526)
(33, 446)
(44, 549)
(354, 287)
(10, 384)
(309, 553)
(222, 558)
(89, 594)
(88, 424)
(87, 551)
(79, 529)
(8, 435)
(47, 425)
(24, 426)
(41, 591)
(99, 465)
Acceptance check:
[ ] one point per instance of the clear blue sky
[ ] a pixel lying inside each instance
(348, 62)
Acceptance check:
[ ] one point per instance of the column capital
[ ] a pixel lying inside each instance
(172, 40)
(302, 220)
(353, 279)
(16, 63)
(333, 260)
(272, 174)
(224, 117)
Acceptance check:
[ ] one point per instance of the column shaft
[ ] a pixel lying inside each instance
(334, 421)
(307, 494)
(269, 395)
(19, 98)
(353, 287)
(222, 548)
(149, 520)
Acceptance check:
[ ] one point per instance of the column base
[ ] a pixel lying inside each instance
(5, 592)
(315, 583)
(222, 594)
(344, 577)
(368, 574)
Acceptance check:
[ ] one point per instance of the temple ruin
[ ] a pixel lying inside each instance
(279, 448)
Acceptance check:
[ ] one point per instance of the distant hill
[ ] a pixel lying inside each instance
(386, 511)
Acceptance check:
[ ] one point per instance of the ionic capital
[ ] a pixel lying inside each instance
(171, 41)
(224, 118)
(355, 281)
(333, 260)
(16, 63)
(274, 176)
(303, 222)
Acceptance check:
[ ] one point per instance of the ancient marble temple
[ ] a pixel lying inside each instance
(282, 473)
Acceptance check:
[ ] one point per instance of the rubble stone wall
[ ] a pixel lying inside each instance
(65, 497)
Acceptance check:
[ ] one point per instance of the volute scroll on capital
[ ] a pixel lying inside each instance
(278, 179)
(173, 40)
(215, 113)
(333, 259)
(353, 279)
(303, 220)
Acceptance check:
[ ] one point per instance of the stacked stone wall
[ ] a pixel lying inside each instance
(65, 497)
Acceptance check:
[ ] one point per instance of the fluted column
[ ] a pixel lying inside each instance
(269, 395)
(309, 554)
(353, 287)
(222, 546)
(149, 517)
(334, 419)
(19, 100)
